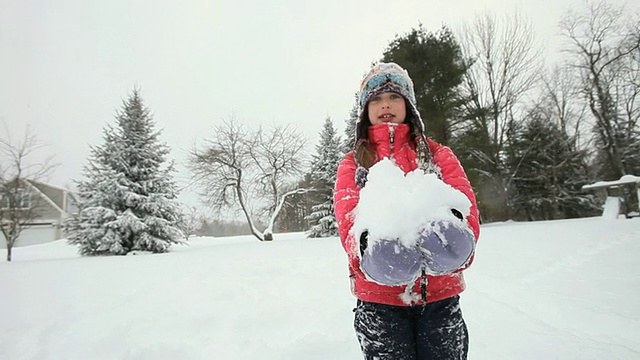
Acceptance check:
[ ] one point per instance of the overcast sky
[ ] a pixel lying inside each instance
(66, 66)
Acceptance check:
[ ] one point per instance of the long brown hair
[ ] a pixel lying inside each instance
(365, 154)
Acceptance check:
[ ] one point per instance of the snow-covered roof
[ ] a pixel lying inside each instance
(625, 179)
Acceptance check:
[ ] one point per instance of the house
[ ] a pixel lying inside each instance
(50, 204)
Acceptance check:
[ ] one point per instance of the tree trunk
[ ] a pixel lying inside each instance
(247, 215)
(9, 249)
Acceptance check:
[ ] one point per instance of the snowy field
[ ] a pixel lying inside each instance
(546, 290)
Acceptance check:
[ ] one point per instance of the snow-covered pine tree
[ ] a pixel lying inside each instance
(127, 199)
(548, 173)
(350, 129)
(323, 171)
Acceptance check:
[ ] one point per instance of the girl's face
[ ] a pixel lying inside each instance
(388, 107)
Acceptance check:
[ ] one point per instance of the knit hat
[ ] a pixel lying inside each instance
(385, 77)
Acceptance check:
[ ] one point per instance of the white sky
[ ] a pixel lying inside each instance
(65, 66)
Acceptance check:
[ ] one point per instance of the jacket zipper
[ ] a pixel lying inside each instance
(392, 134)
(423, 287)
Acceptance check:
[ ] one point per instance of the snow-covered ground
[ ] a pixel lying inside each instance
(545, 290)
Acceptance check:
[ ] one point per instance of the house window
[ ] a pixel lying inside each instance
(21, 199)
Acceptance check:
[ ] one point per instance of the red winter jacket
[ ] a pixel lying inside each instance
(347, 194)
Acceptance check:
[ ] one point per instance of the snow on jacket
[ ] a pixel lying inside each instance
(346, 196)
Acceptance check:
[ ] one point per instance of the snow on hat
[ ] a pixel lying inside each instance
(385, 77)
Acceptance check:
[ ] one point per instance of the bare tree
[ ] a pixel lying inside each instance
(249, 171)
(604, 44)
(192, 221)
(19, 205)
(505, 64)
(557, 103)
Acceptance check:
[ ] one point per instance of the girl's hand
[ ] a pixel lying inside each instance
(446, 246)
(388, 262)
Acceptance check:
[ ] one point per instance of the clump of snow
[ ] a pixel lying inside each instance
(395, 205)
(625, 179)
(629, 178)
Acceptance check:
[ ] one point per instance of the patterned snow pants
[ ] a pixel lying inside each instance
(432, 332)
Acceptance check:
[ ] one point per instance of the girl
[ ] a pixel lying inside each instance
(407, 305)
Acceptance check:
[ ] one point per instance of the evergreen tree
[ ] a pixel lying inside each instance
(350, 129)
(473, 144)
(323, 169)
(435, 63)
(128, 197)
(294, 216)
(549, 173)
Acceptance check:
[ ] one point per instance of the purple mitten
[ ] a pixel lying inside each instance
(446, 247)
(388, 262)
